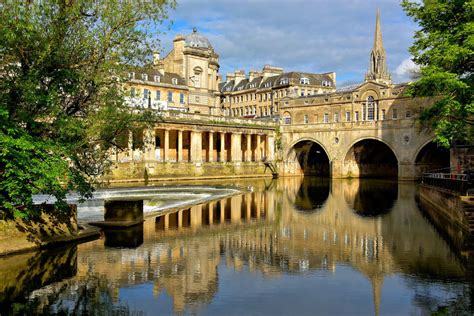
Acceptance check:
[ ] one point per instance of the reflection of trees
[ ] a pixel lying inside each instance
(21, 275)
(93, 295)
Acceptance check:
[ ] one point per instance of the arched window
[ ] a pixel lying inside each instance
(370, 108)
(286, 118)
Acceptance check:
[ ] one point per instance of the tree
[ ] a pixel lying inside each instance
(62, 73)
(443, 47)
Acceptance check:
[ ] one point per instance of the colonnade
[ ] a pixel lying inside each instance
(179, 145)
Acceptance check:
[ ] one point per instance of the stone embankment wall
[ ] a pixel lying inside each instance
(149, 171)
(22, 235)
(450, 213)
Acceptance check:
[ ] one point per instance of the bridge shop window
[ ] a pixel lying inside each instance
(306, 119)
(394, 114)
(408, 114)
(157, 95)
(181, 98)
(356, 116)
(170, 96)
(383, 114)
(348, 116)
(146, 93)
(336, 117)
(326, 118)
(370, 108)
(286, 118)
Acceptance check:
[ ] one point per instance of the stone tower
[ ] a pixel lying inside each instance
(194, 59)
(378, 70)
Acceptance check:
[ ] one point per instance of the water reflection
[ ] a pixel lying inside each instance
(371, 197)
(130, 237)
(312, 194)
(214, 257)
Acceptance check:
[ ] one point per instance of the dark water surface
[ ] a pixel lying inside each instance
(291, 247)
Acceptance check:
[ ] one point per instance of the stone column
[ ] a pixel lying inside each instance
(130, 145)
(270, 147)
(248, 154)
(223, 152)
(166, 146)
(258, 153)
(196, 146)
(211, 147)
(180, 146)
(150, 145)
(180, 219)
(166, 223)
(236, 147)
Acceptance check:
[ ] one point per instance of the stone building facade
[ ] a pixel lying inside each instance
(259, 94)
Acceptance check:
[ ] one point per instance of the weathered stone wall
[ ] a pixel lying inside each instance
(462, 158)
(21, 235)
(150, 171)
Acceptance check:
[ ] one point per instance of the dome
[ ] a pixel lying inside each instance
(197, 40)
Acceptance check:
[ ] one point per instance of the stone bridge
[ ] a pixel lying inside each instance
(367, 131)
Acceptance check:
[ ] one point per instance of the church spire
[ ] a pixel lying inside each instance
(378, 70)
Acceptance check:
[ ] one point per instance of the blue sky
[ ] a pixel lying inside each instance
(311, 35)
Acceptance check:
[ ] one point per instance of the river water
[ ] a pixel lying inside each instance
(292, 246)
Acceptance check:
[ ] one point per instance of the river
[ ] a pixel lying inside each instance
(292, 246)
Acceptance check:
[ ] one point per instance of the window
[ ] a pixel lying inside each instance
(157, 95)
(302, 92)
(305, 118)
(157, 78)
(336, 117)
(170, 96)
(146, 93)
(197, 99)
(132, 92)
(131, 75)
(283, 81)
(145, 77)
(246, 97)
(348, 116)
(356, 116)
(370, 108)
(304, 81)
(181, 98)
(394, 114)
(286, 118)
(383, 114)
(174, 81)
(408, 114)
(326, 118)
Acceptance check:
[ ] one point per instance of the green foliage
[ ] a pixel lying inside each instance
(443, 47)
(62, 70)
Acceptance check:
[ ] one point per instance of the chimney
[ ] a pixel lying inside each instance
(269, 71)
(156, 58)
(239, 76)
(253, 74)
(230, 76)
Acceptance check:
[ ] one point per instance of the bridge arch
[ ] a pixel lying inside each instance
(369, 157)
(429, 156)
(310, 157)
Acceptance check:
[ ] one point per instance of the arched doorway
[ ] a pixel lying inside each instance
(432, 158)
(370, 158)
(311, 158)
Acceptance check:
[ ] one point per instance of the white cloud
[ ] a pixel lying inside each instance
(304, 35)
(405, 71)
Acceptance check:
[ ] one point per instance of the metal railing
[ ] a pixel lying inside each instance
(459, 182)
